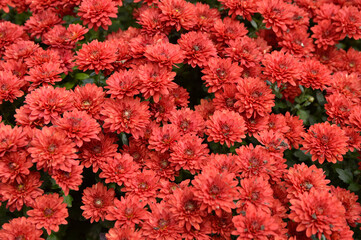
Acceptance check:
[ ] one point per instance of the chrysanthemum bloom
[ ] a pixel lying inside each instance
(255, 225)
(281, 68)
(155, 81)
(228, 29)
(301, 178)
(254, 97)
(10, 33)
(347, 21)
(197, 47)
(205, 17)
(89, 98)
(296, 129)
(245, 51)
(20, 228)
(119, 169)
(144, 185)
(205, 108)
(354, 138)
(256, 124)
(186, 208)
(161, 111)
(10, 87)
(161, 224)
(225, 127)
(163, 137)
(49, 212)
(355, 118)
(254, 162)
(11, 139)
(48, 103)
(97, 201)
(137, 149)
(349, 61)
(79, 126)
(69, 180)
(123, 84)
(325, 142)
(97, 14)
(277, 122)
(96, 152)
(164, 54)
(255, 192)
(317, 212)
(346, 84)
(96, 56)
(219, 73)
(14, 166)
(298, 43)
(45, 74)
(160, 164)
(338, 108)
(215, 190)
(315, 75)
(150, 20)
(17, 68)
(225, 99)
(123, 233)
(51, 149)
(189, 153)
(276, 14)
(22, 193)
(273, 141)
(127, 115)
(127, 212)
(187, 121)
(41, 22)
(244, 9)
(325, 34)
(349, 201)
(177, 13)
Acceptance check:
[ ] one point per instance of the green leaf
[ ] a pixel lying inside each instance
(254, 24)
(81, 76)
(303, 114)
(345, 175)
(320, 98)
(124, 138)
(68, 200)
(52, 237)
(301, 155)
(354, 187)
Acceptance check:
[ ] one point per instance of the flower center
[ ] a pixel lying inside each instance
(162, 223)
(52, 148)
(129, 212)
(48, 212)
(190, 206)
(143, 186)
(98, 203)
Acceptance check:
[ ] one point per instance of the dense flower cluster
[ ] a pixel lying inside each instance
(191, 126)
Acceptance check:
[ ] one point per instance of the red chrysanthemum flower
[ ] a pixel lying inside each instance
(296, 129)
(49, 212)
(127, 212)
(273, 141)
(224, 163)
(298, 43)
(68, 179)
(355, 118)
(97, 200)
(281, 68)
(228, 29)
(301, 178)
(160, 164)
(155, 81)
(127, 115)
(47, 103)
(45, 74)
(123, 84)
(14, 166)
(225, 127)
(347, 21)
(189, 153)
(197, 47)
(97, 14)
(150, 20)
(97, 152)
(164, 54)
(255, 225)
(144, 185)
(10, 87)
(180, 96)
(354, 139)
(137, 149)
(79, 126)
(254, 162)
(315, 75)
(205, 108)
(20, 228)
(120, 169)
(89, 98)
(96, 56)
(325, 142)
(257, 193)
(205, 17)
(349, 201)
(317, 212)
(225, 99)
(219, 73)
(177, 13)
(254, 97)
(22, 193)
(325, 34)
(51, 149)
(41, 22)
(241, 8)
(338, 108)
(123, 233)
(276, 14)
(187, 121)
(216, 191)
(10, 33)
(161, 224)
(244, 51)
(162, 138)
(11, 139)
